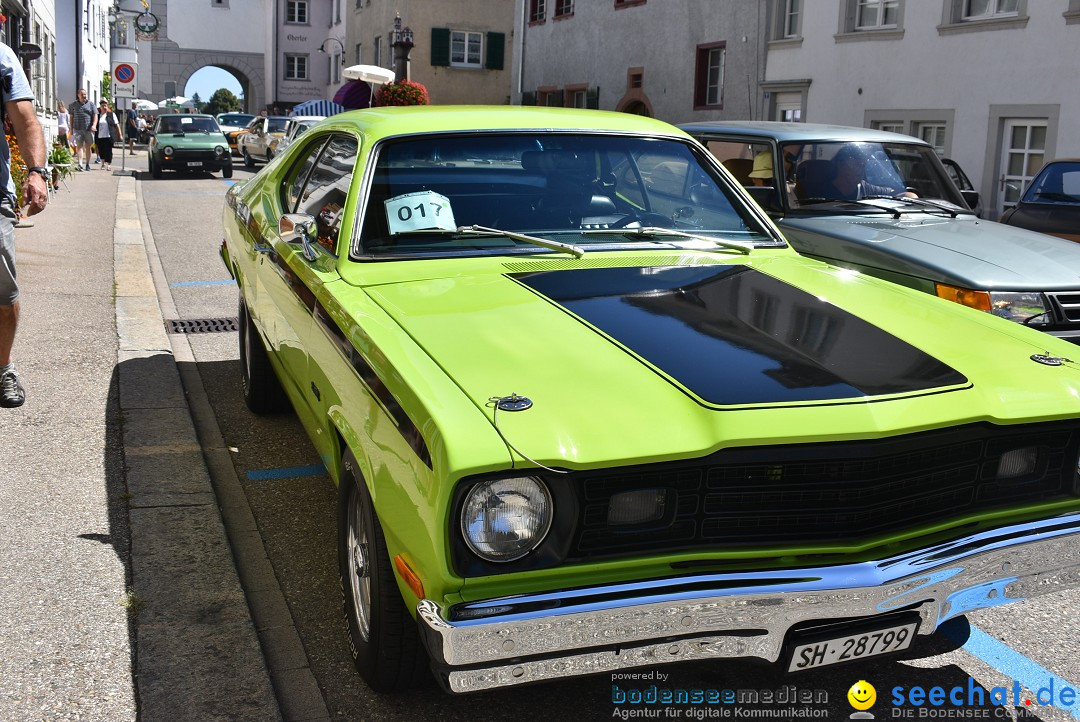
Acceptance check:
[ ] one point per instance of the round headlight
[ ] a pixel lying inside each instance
(504, 519)
(218, 150)
(167, 150)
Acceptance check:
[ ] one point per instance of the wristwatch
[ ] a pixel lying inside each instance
(44, 173)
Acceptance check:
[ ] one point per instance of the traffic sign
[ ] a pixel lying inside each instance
(123, 79)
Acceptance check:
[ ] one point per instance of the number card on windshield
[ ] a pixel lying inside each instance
(419, 211)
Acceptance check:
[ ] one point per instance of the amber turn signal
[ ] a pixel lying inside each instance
(965, 297)
(409, 576)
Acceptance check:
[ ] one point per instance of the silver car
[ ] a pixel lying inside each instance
(883, 204)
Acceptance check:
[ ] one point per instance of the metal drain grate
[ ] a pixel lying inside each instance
(203, 325)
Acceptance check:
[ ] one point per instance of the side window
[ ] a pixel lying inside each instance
(327, 187)
(298, 175)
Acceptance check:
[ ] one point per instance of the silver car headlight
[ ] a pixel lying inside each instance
(218, 150)
(1024, 307)
(167, 150)
(504, 519)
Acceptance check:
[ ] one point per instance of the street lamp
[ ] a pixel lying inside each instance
(322, 48)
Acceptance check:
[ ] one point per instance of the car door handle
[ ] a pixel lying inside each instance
(262, 247)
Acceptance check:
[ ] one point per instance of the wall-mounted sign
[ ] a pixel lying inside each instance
(29, 51)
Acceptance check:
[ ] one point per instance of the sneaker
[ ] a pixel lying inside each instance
(87, 167)
(11, 391)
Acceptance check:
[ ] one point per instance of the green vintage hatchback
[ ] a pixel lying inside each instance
(587, 410)
(188, 142)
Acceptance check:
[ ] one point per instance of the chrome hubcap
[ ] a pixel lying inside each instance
(359, 568)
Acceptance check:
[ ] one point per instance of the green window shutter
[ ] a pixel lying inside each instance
(528, 97)
(558, 99)
(440, 46)
(592, 98)
(495, 51)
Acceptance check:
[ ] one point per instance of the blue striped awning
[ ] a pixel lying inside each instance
(317, 107)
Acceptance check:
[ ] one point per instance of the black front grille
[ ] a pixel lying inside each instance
(193, 155)
(1066, 306)
(836, 492)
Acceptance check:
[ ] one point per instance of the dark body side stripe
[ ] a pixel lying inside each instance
(733, 335)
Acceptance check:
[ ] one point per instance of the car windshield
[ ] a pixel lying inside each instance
(824, 173)
(188, 124)
(502, 192)
(236, 119)
(1056, 183)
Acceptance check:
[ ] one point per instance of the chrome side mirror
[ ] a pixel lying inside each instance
(299, 228)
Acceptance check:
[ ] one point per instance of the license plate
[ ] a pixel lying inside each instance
(194, 164)
(855, 646)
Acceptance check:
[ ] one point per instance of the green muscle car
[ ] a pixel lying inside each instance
(587, 410)
(191, 142)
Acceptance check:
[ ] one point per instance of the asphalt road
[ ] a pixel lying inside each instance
(293, 503)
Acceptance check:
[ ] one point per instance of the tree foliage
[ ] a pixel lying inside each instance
(222, 101)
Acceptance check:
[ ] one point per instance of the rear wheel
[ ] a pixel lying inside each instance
(262, 390)
(248, 162)
(383, 638)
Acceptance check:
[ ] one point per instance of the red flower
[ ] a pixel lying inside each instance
(402, 92)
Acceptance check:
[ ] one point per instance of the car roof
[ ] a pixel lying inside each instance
(785, 132)
(414, 120)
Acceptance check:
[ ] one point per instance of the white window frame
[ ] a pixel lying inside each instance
(299, 69)
(376, 58)
(465, 39)
(994, 9)
(792, 15)
(297, 12)
(890, 126)
(939, 135)
(714, 92)
(879, 7)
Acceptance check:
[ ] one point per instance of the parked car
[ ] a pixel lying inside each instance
(1051, 203)
(587, 410)
(231, 124)
(967, 188)
(253, 143)
(296, 126)
(185, 142)
(906, 222)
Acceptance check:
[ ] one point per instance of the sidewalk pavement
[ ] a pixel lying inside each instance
(120, 592)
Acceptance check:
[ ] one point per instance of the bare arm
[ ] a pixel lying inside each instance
(32, 147)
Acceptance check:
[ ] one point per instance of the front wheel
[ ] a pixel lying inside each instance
(226, 172)
(383, 638)
(155, 169)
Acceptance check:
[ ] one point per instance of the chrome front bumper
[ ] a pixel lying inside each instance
(537, 637)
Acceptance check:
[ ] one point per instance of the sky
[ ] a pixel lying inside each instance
(206, 80)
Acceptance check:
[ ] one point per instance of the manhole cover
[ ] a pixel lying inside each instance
(202, 325)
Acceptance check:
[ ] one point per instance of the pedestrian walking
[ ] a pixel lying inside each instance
(63, 124)
(131, 130)
(82, 113)
(106, 129)
(17, 108)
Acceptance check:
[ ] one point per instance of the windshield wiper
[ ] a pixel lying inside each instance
(576, 251)
(924, 202)
(653, 231)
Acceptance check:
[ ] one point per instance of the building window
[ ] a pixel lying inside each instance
(219, 3)
(875, 14)
(934, 134)
(628, 3)
(296, 67)
(296, 12)
(709, 76)
(564, 8)
(359, 56)
(791, 19)
(121, 37)
(577, 98)
(537, 8)
(376, 46)
(889, 126)
(465, 49)
(335, 68)
(985, 9)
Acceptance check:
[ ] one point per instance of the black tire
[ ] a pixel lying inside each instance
(262, 390)
(226, 172)
(155, 169)
(248, 162)
(383, 638)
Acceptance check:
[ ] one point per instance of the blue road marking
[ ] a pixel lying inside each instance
(1012, 664)
(287, 473)
(204, 283)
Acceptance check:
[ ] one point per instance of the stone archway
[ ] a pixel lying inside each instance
(250, 87)
(179, 65)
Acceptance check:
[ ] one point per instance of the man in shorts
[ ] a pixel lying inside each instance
(82, 113)
(17, 106)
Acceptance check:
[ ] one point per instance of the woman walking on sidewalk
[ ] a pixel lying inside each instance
(106, 129)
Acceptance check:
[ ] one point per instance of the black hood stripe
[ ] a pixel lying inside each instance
(733, 335)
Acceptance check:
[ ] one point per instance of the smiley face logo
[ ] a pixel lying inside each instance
(862, 695)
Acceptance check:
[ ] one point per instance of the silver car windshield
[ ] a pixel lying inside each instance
(557, 186)
(840, 173)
